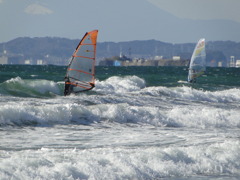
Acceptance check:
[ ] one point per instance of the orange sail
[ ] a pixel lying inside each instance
(80, 74)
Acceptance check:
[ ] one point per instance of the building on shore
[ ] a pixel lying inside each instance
(156, 61)
(237, 63)
(4, 58)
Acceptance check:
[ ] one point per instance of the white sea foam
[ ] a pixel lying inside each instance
(188, 93)
(14, 80)
(204, 117)
(122, 162)
(117, 84)
(34, 75)
(44, 86)
(47, 112)
(157, 106)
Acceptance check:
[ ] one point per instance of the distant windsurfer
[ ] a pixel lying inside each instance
(68, 87)
(192, 79)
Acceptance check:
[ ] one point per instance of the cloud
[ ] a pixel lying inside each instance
(1, 1)
(203, 9)
(37, 9)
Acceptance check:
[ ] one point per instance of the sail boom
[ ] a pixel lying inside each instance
(84, 88)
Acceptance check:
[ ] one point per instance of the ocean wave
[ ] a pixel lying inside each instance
(116, 84)
(63, 111)
(191, 94)
(127, 85)
(29, 88)
(214, 161)
(117, 99)
(45, 88)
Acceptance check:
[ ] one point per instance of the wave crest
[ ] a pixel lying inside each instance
(29, 88)
(116, 84)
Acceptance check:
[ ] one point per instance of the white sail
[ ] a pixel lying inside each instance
(81, 70)
(197, 65)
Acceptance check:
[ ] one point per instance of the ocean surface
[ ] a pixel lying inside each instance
(138, 123)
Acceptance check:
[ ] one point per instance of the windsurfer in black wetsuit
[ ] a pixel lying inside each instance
(68, 87)
(193, 80)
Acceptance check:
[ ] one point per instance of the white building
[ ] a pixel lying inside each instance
(220, 64)
(238, 63)
(27, 61)
(39, 62)
(176, 58)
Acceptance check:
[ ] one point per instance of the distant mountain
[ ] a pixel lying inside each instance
(117, 21)
(59, 50)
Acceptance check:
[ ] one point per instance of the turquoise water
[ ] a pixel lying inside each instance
(137, 123)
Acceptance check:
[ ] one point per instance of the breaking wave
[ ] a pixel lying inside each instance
(29, 88)
(120, 100)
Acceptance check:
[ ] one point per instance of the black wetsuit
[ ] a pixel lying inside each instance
(193, 81)
(68, 87)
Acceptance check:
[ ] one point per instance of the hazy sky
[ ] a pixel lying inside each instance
(173, 21)
(201, 9)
